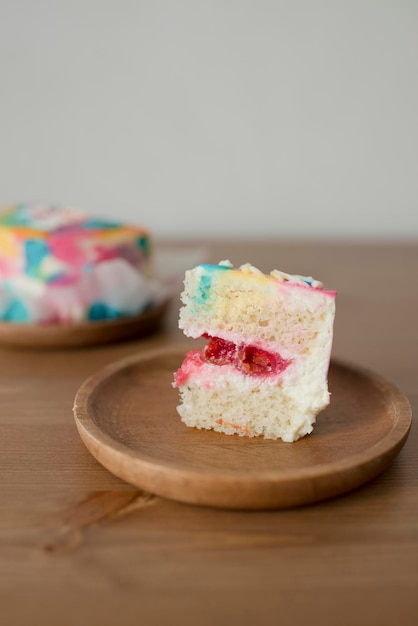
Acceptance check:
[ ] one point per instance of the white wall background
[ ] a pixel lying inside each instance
(215, 117)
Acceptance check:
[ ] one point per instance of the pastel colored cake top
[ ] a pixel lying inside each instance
(59, 244)
(275, 311)
(294, 279)
(43, 218)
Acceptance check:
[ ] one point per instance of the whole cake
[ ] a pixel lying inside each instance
(58, 265)
(263, 370)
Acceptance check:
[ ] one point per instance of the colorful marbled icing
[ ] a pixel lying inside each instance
(206, 273)
(209, 270)
(56, 263)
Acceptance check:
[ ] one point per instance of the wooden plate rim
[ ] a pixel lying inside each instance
(94, 437)
(80, 333)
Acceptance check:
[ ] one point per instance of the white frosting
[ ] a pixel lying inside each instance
(282, 277)
(247, 267)
(297, 279)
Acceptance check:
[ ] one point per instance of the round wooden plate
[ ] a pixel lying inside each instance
(126, 416)
(54, 336)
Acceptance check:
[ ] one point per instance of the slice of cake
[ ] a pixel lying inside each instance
(263, 370)
(59, 265)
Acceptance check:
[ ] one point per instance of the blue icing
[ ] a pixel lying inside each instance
(97, 224)
(16, 312)
(209, 267)
(205, 283)
(102, 311)
(203, 289)
(35, 252)
(55, 278)
(143, 243)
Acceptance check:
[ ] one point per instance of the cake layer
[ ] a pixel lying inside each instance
(266, 413)
(59, 265)
(227, 400)
(226, 302)
(288, 317)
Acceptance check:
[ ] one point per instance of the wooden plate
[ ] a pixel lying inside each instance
(126, 416)
(54, 336)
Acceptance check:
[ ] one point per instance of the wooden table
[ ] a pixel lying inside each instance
(80, 547)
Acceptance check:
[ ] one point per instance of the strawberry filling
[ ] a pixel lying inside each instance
(246, 358)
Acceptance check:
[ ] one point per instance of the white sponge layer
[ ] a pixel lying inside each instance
(222, 399)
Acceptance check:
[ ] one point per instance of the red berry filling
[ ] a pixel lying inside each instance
(248, 359)
(219, 351)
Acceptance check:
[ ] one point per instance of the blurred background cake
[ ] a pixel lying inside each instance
(59, 265)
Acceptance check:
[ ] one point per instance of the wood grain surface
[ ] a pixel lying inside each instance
(79, 546)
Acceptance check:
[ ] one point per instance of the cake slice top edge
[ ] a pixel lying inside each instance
(266, 311)
(288, 280)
